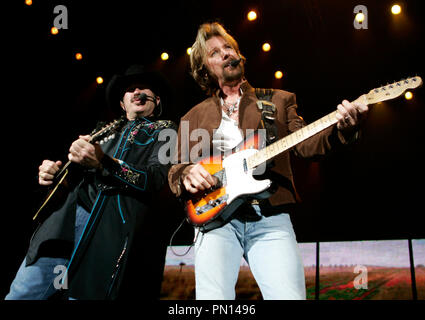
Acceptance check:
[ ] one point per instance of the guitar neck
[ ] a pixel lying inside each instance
(94, 137)
(296, 137)
(60, 173)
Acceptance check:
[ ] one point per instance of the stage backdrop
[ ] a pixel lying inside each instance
(354, 270)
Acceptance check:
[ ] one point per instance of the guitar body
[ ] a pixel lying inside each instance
(236, 183)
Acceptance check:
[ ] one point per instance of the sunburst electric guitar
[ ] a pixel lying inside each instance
(235, 171)
(104, 133)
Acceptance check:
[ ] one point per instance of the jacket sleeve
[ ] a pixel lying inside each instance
(181, 161)
(148, 176)
(318, 145)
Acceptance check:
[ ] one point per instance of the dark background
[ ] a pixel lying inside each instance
(372, 190)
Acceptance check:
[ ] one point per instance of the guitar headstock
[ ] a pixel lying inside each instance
(107, 131)
(393, 90)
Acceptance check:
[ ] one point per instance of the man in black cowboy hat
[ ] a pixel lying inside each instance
(134, 77)
(103, 241)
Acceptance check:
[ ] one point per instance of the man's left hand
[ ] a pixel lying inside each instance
(350, 115)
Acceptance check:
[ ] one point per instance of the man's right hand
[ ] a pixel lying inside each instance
(195, 178)
(47, 171)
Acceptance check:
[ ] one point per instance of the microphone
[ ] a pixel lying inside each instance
(143, 97)
(234, 63)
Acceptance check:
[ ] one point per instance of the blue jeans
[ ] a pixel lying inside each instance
(36, 282)
(268, 245)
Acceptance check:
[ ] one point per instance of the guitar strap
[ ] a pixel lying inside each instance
(268, 113)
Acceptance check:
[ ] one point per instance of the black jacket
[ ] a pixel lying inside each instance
(123, 223)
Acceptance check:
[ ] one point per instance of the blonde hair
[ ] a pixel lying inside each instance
(199, 51)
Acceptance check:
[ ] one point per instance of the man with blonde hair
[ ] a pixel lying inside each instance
(259, 231)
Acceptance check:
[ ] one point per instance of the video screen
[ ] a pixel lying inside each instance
(355, 270)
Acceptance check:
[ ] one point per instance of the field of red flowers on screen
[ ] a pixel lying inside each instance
(336, 283)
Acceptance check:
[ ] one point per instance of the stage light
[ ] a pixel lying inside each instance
(408, 95)
(396, 9)
(278, 74)
(78, 56)
(266, 47)
(28, 2)
(164, 56)
(189, 51)
(252, 15)
(54, 30)
(360, 17)
(99, 80)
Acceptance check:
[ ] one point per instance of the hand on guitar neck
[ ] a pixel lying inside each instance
(83, 152)
(349, 116)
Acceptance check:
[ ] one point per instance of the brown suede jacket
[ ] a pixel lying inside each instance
(207, 115)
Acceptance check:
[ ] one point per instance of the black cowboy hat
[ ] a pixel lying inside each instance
(154, 80)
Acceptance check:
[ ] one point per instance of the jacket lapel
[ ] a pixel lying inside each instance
(212, 119)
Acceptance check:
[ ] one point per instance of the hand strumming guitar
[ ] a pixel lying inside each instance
(195, 178)
(47, 171)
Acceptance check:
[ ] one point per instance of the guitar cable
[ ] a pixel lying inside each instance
(190, 247)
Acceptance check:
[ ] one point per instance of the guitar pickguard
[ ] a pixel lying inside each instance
(238, 182)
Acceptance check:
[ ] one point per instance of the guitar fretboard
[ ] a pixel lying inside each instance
(291, 140)
(298, 136)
